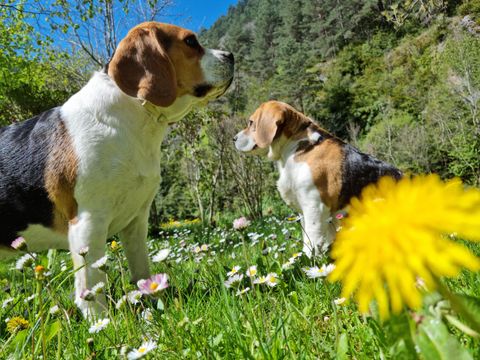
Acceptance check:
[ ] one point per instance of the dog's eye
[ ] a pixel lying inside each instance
(192, 41)
(250, 123)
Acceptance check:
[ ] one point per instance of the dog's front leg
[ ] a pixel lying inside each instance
(316, 229)
(134, 238)
(87, 238)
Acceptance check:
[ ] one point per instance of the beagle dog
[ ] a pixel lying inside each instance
(319, 173)
(77, 174)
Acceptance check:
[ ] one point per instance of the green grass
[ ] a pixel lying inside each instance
(197, 316)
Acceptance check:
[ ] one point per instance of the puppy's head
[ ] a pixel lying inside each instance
(161, 63)
(270, 127)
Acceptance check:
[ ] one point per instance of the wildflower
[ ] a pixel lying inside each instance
(114, 245)
(83, 251)
(19, 244)
(100, 264)
(204, 247)
(87, 295)
(161, 255)
(54, 309)
(233, 279)
(147, 315)
(197, 249)
(315, 272)
(252, 271)
(288, 265)
(143, 350)
(98, 326)
(29, 298)
(260, 280)
(98, 288)
(241, 223)
(39, 271)
(272, 279)
(234, 270)
(154, 284)
(243, 291)
(339, 301)
(24, 261)
(404, 223)
(134, 297)
(6, 302)
(16, 324)
(119, 304)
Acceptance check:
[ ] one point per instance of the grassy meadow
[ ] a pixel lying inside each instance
(289, 316)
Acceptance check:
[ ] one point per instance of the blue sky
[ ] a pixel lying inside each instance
(195, 14)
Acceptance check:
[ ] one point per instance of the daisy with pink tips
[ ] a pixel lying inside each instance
(153, 285)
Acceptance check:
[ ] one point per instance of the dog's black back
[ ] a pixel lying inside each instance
(360, 170)
(24, 148)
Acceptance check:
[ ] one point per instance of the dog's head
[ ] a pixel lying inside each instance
(272, 126)
(163, 63)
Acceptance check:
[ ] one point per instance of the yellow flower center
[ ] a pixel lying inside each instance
(142, 350)
(153, 286)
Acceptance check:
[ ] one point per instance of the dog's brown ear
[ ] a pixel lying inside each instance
(294, 121)
(267, 125)
(141, 68)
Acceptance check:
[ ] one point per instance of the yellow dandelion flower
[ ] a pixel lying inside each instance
(114, 245)
(394, 234)
(17, 323)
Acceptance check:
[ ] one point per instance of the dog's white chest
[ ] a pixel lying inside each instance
(295, 182)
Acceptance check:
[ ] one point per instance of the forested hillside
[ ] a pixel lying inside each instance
(399, 79)
(401, 82)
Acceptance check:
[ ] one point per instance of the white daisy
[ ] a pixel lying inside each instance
(316, 272)
(143, 350)
(121, 302)
(98, 326)
(98, 288)
(339, 301)
(234, 270)
(243, 291)
(25, 260)
(6, 302)
(134, 297)
(272, 279)
(252, 271)
(260, 280)
(233, 279)
(161, 255)
(147, 315)
(54, 309)
(100, 264)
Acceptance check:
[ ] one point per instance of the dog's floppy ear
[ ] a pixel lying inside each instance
(294, 121)
(141, 68)
(267, 127)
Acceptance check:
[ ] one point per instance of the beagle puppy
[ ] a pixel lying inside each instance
(319, 173)
(77, 174)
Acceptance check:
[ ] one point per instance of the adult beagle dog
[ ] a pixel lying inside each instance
(319, 173)
(77, 174)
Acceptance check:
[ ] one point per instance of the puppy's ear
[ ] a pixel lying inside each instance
(141, 68)
(268, 126)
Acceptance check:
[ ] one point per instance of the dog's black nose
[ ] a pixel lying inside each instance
(229, 56)
(235, 138)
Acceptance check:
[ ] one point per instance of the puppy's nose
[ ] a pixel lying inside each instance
(235, 138)
(228, 55)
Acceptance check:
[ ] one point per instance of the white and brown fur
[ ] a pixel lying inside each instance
(319, 173)
(80, 173)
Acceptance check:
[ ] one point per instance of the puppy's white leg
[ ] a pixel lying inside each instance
(89, 231)
(317, 234)
(134, 238)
